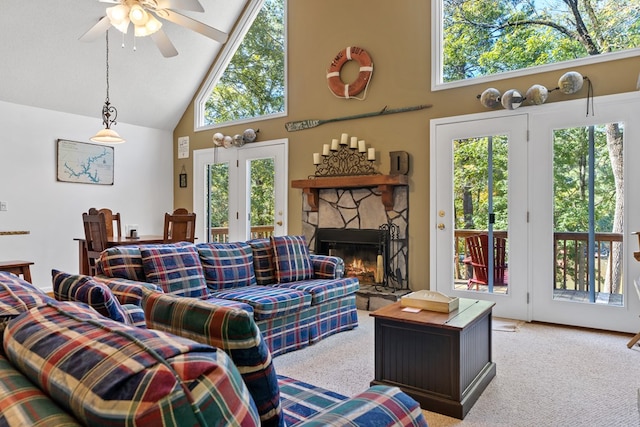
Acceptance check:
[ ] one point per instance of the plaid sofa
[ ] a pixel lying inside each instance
(296, 298)
(63, 363)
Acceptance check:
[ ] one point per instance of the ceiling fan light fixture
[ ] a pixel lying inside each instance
(149, 28)
(138, 15)
(119, 17)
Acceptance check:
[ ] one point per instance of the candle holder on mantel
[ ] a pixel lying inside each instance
(345, 160)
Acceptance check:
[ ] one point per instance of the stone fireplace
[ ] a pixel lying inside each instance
(364, 220)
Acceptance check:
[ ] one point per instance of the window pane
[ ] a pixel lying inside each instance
(262, 197)
(588, 210)
(218, 202)
(485, 37)
(253, 84)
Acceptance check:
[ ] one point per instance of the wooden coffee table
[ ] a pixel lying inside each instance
(443, 360)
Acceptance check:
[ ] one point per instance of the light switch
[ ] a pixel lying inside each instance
(3, 206)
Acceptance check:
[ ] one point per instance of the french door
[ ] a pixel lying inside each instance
(479, 189)
(570, 198)
(241, 192)
(586, 182)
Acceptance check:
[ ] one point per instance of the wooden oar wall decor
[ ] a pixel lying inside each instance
(308, 124)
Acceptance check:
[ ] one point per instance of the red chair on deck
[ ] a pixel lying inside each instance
(478, 248)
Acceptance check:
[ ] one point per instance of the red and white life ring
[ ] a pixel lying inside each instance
(336, 85)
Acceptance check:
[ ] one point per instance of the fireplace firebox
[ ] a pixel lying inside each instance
(365, 252)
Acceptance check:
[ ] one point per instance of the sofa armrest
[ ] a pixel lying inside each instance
(127, 291)
(230, 329)
(379, 405)
(327, 267)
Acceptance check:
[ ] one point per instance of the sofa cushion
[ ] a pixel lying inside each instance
(227, 265)
(230, 329)
(291, 258)
(263, 266)
(18, 295)
(175, 268)
(73, 287)
(107, 373)
(124, 262)
(267, 301)
(24, 404)
(322, 290)
(307, 405)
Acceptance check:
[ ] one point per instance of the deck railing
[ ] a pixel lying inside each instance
(221, 234)
(570, 254)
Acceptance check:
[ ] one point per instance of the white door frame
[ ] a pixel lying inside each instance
(443, 132)
(238, 227)
(615, 108)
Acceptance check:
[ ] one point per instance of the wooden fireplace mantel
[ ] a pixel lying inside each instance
(384, 183)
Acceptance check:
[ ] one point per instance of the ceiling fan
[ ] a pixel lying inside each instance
(143, 15)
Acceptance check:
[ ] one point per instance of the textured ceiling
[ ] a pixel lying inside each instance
(45, 65)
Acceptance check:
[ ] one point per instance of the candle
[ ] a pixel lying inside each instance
(372, 154)
(362, 146)
(344, 140)
(334, 145)
(325, 150)
(316, 158)
(354, 142)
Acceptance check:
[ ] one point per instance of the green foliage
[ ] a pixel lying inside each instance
(253, 84)
(218, 194)
(484, 37)
(262, 192)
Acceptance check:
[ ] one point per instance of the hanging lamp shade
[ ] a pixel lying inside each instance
(107, 136)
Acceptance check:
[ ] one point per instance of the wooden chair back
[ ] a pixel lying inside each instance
(179, 227)
(95, 234)
(478, 248)
(112, 221)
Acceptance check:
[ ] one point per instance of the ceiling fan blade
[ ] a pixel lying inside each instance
(97, 30)
(192, 5)
(110, 1)
(161, 40)
(194, 25)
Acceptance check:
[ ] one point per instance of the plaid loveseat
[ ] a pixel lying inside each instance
(296, 298)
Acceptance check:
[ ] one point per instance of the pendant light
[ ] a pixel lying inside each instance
(109, 115)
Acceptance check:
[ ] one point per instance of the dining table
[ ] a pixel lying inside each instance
(83, 260)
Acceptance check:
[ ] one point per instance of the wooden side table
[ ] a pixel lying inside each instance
(18, 268)
(443, 360)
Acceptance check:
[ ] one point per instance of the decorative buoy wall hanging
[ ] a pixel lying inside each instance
(350, 90)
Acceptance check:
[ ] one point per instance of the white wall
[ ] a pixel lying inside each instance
(52, 211)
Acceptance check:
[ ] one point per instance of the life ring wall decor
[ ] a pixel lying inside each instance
(344, 90)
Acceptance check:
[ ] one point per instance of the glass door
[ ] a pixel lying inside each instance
(243, 191)
(582, 193)
(479, 219)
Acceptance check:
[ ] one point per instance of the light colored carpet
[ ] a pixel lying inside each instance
(546, 375)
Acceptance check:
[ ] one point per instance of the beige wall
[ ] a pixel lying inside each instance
(397, 36)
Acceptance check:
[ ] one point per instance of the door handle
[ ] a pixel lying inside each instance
(441, 226)
(279, 223)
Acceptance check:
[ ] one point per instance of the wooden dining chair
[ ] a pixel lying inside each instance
(478, 248)
(112, 221)
(95, 234)
(179, 227)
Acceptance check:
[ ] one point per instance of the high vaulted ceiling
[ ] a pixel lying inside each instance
(45, 65)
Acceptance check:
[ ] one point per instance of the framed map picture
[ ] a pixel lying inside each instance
(84, 163)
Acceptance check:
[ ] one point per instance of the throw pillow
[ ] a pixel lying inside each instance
(78, 288)
(292, 259)
(123, 262)
(227, 265)
(175, 268)
(263, 261)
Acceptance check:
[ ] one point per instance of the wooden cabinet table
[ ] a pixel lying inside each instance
(442, 360)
